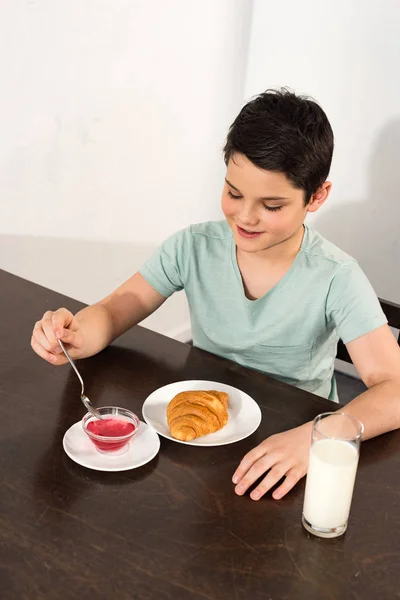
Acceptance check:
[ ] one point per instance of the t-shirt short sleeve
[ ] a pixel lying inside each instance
(352, 304)
(164, 270)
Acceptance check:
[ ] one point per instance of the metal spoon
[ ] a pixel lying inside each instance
(88, 405)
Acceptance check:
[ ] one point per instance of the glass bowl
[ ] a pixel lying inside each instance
(112, 434)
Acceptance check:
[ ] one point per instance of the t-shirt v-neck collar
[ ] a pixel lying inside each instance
(279, 285)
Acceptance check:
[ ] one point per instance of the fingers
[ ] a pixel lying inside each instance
(60, 319)
(65, 328)
(54, 326)
(276, 473)
(283, 456)
(51, 358)
(46, 340)
(72, 338)
(41, 341)
(262, 465)
(248, 461)
(292, 477)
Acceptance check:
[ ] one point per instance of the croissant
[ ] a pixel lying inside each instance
(195, 413)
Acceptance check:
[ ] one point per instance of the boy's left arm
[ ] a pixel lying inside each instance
(376, 357)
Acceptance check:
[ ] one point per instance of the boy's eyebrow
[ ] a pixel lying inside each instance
(263, 198)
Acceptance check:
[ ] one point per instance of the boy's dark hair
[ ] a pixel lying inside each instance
(279, 131)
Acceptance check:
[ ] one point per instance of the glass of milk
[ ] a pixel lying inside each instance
(334, 452)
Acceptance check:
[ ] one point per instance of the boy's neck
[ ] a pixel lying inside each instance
(283, 252)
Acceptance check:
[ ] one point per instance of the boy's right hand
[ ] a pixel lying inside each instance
(53, 326)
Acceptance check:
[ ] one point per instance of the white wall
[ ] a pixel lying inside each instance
(112, 117)
(346, 54)
(113, 114)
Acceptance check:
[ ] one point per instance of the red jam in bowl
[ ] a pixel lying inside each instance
(111, 433)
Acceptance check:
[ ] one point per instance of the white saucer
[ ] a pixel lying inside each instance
(244, 412)
(143, 447)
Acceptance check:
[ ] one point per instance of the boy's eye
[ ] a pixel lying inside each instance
(272, 208)
(233, 196)
(269, 208)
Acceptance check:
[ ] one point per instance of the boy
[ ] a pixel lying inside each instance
(263, 289)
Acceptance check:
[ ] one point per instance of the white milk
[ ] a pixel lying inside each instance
(330, 481)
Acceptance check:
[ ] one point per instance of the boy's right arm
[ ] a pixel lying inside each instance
(95, 327)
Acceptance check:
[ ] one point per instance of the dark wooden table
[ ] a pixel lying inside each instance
(173, 529)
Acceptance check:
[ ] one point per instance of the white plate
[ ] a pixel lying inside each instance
(244, 413)
(143, 447)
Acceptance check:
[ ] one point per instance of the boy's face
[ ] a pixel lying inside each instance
(263, 208)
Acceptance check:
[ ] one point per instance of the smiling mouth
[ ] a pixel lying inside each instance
(248, 233)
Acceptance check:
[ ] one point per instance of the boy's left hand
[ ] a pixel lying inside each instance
(283, 455)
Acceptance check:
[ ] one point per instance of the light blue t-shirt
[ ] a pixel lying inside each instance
(291, 332)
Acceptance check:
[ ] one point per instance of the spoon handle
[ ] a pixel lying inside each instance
(71, 362)
(86, 402)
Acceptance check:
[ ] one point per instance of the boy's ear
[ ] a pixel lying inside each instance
(320, 196)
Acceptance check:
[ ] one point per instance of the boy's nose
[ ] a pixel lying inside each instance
(248, 217)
